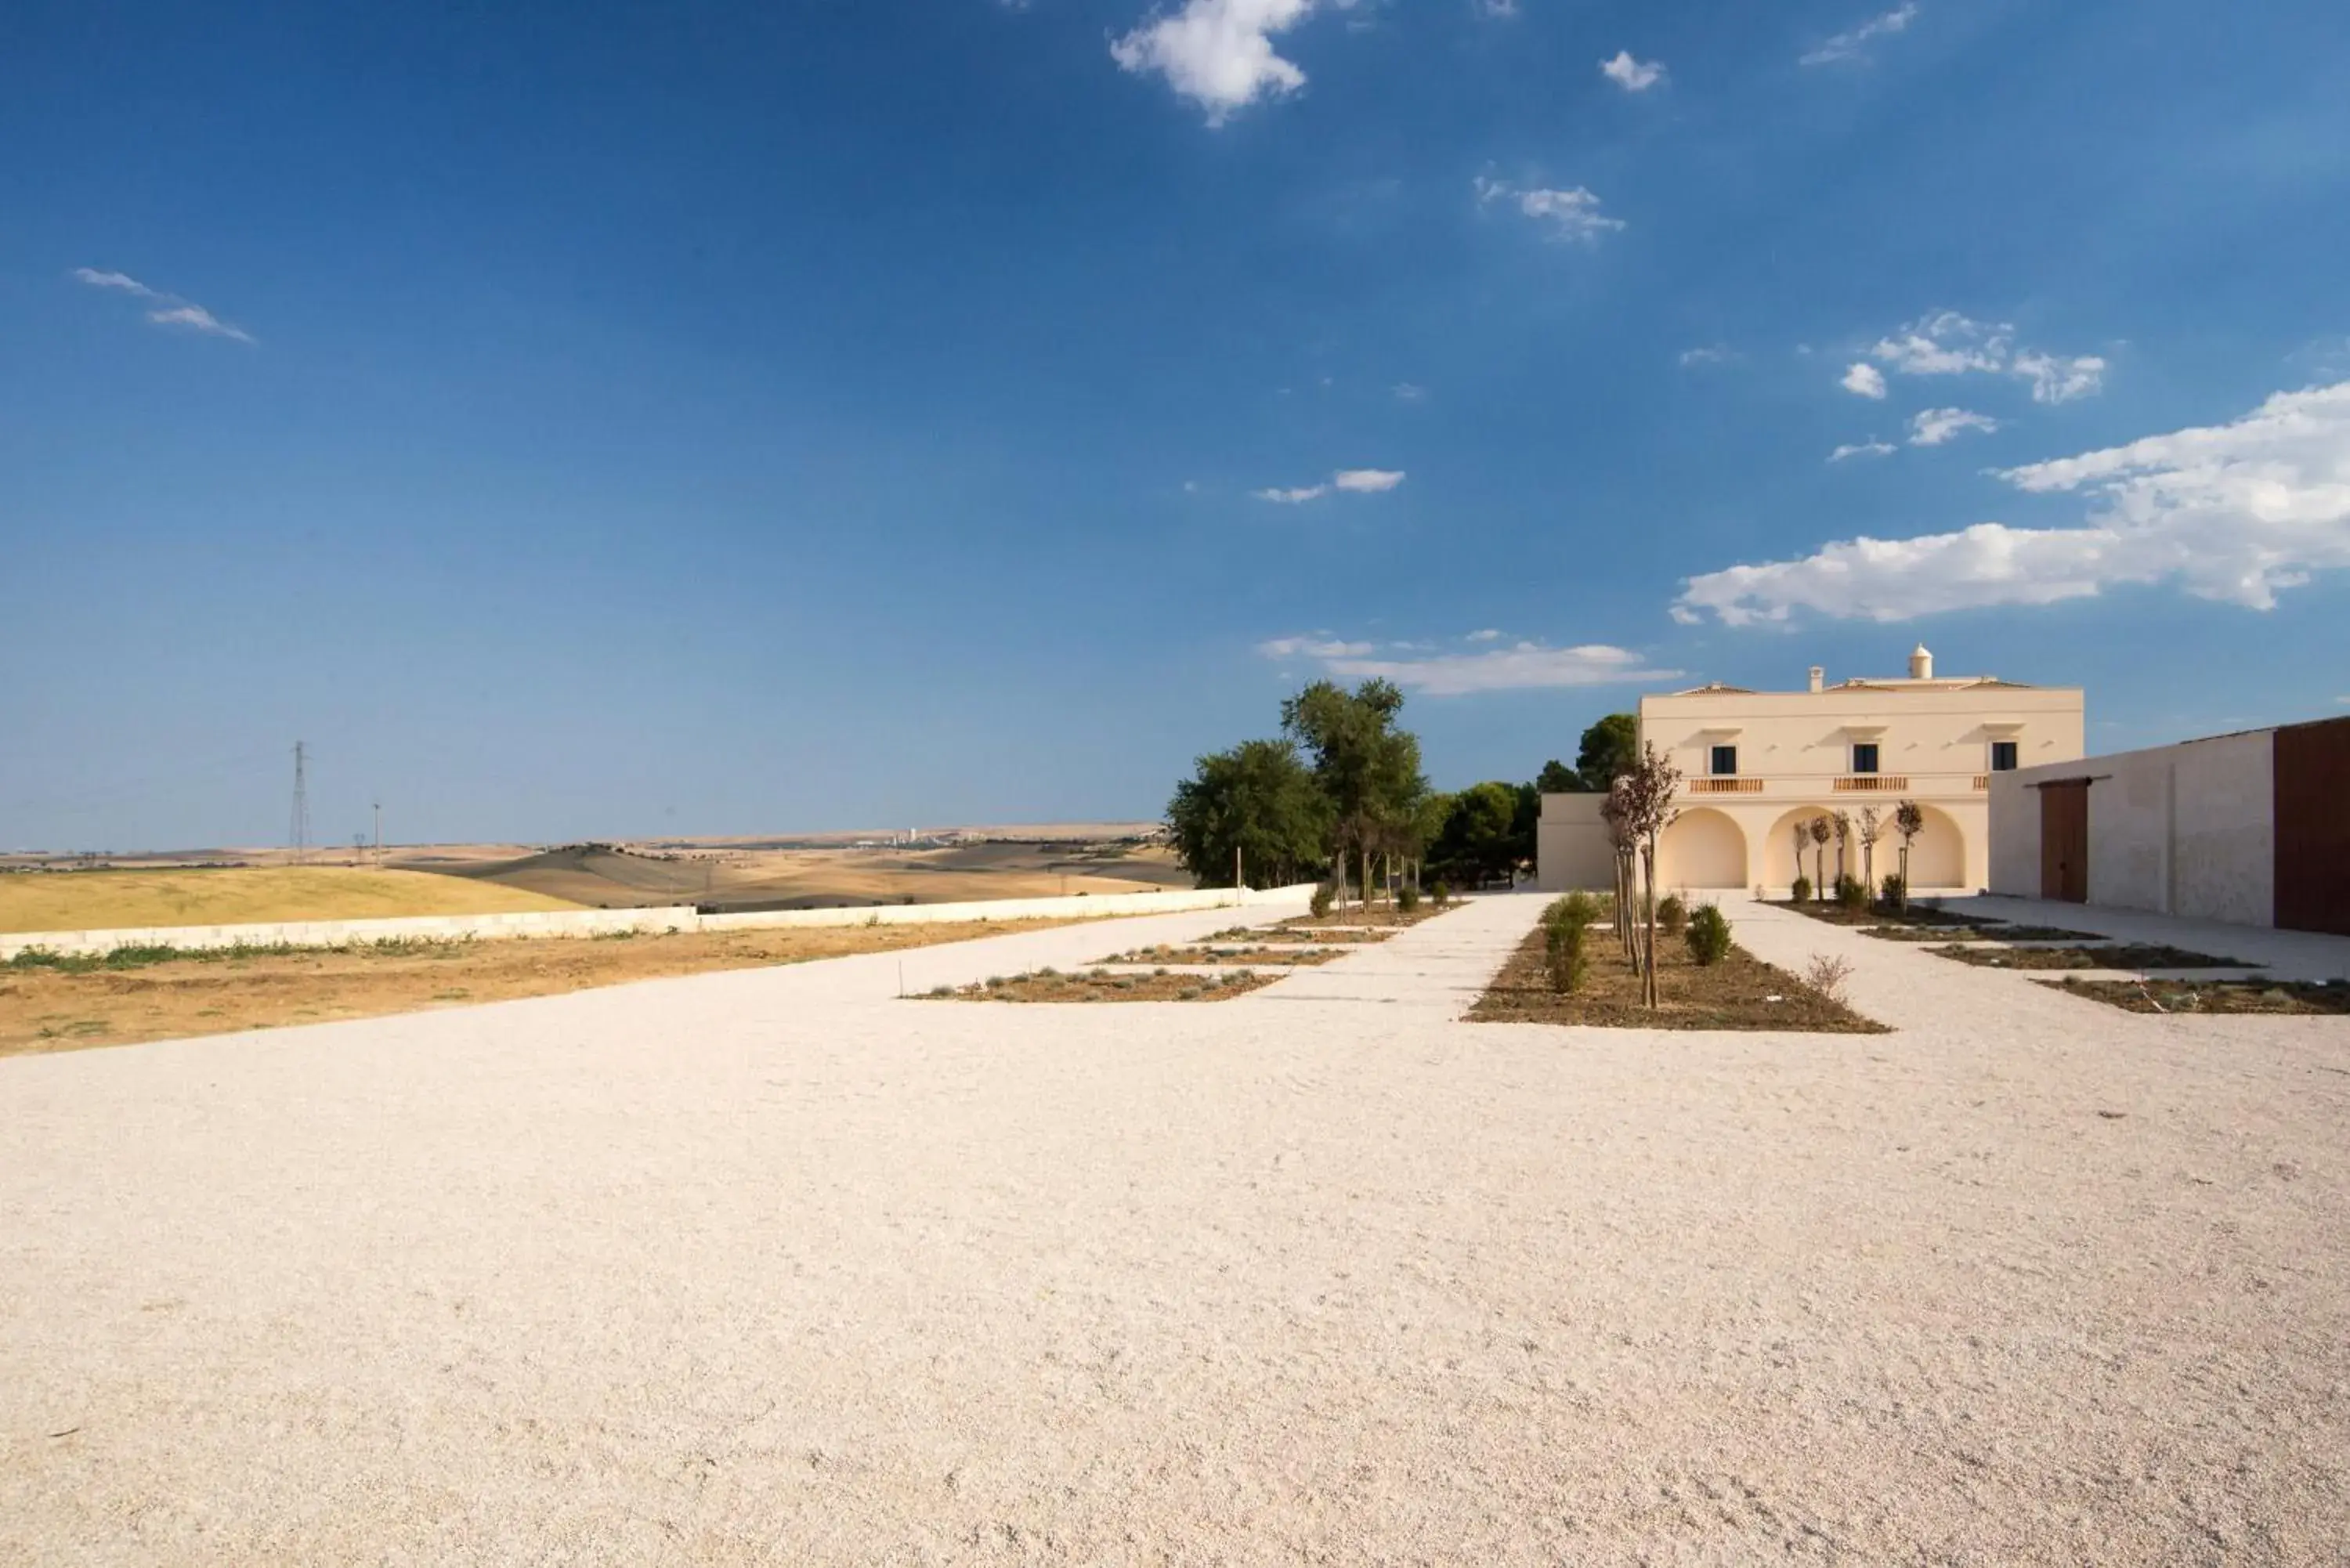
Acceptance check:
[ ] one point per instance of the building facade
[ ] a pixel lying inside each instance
(1758, 767)
(2249, 828)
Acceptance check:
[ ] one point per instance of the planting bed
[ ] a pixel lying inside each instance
(1740, 992)
(1100, 985)
(1289, 954)
(1984, 933)
(2117, 956)
(2207, 996)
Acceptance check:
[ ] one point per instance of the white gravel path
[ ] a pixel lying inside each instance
(771, 1267)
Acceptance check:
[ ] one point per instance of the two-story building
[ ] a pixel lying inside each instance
(1758, 767)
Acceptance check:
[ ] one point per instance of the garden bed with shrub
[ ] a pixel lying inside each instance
(1101, 985)
(2120, 955)
(2232, 997)
(1294, 955)
(1736, 990)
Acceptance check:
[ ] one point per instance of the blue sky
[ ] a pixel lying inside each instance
(591, 419)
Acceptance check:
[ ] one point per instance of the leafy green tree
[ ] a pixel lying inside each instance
(1258, 801)
(1480, 835)
(1611, 748)
(1369, 770)
(1558, 778)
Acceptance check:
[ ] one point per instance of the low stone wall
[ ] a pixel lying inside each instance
(579, 923)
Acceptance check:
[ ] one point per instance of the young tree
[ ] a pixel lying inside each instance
(1820, 832)
(1256, 803)
(1647, 811)
(1908, 821)
(1871, 830)
(1843, 839)
(1611, 748)
(1614, 812)
(1803, 831)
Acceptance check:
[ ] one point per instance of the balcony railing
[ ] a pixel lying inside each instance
(1982, 781)
(1798, 787)
(1872, 783)
(1725, 786)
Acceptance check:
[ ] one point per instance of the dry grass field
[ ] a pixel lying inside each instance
(730, 877)
(92, 900)
(52, 1009)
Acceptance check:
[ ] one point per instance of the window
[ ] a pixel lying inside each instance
(2003, 756)
(1725, 762)
(1863, 756)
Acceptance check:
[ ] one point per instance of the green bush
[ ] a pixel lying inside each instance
(1567, 929)
(1802, 892)
(1407, 899)
(1852, 893)
(1440, 894)
(1709, 935)
(1672, 914)
(1893, 891)
(1321, 901)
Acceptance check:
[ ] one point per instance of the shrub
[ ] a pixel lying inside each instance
(1406, 900)
(1852, 893)
(1440, 894)
(1320, 902)
(1827, 975)
(1672, 915)
(1802, 891)
(1566, 928)
(1891, 898)
(1708, 935)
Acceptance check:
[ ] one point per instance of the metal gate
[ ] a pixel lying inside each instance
(2065, 840)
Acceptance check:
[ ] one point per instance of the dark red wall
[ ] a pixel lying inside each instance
(2313, 826)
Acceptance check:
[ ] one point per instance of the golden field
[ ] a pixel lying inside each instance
(239, 894)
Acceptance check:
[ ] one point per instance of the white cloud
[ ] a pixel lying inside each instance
(1219, 53)
(171, 310)
(196, 318)
(1497, 7)
(1487, 635)
(1404, 392)
(1870, 448)
(1522, 666)
(1849, 46)
(1864, 380)
(1708, 353)
(96, 279)
(1320, 645)
(1937, 427)
(1572, 214)
(1352, 480)
(1945, 343)
(1631, 75)
(2235, 512)
(2056, 379)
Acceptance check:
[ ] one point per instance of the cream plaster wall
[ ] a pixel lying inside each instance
(2186, 830)
(1571, 845)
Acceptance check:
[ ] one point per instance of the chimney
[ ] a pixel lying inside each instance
(1921, 664)
(1819, 679)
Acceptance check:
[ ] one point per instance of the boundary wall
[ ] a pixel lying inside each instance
(581, 923)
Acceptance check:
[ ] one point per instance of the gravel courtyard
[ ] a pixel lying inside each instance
(773, 1267)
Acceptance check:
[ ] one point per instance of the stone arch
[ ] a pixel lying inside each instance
(1701, 848)
(1938, 855)
(1778, 867)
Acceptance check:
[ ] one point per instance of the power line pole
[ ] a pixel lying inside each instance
(379, 835)
(299, 829)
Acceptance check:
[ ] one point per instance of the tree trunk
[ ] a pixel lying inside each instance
(1366, 858)
(1649, 908)
(1238, 881)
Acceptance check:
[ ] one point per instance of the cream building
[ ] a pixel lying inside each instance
(1759, 766)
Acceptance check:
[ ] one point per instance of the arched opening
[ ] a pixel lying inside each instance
(1701, 848)
(1938, 855)
(1779, 849)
